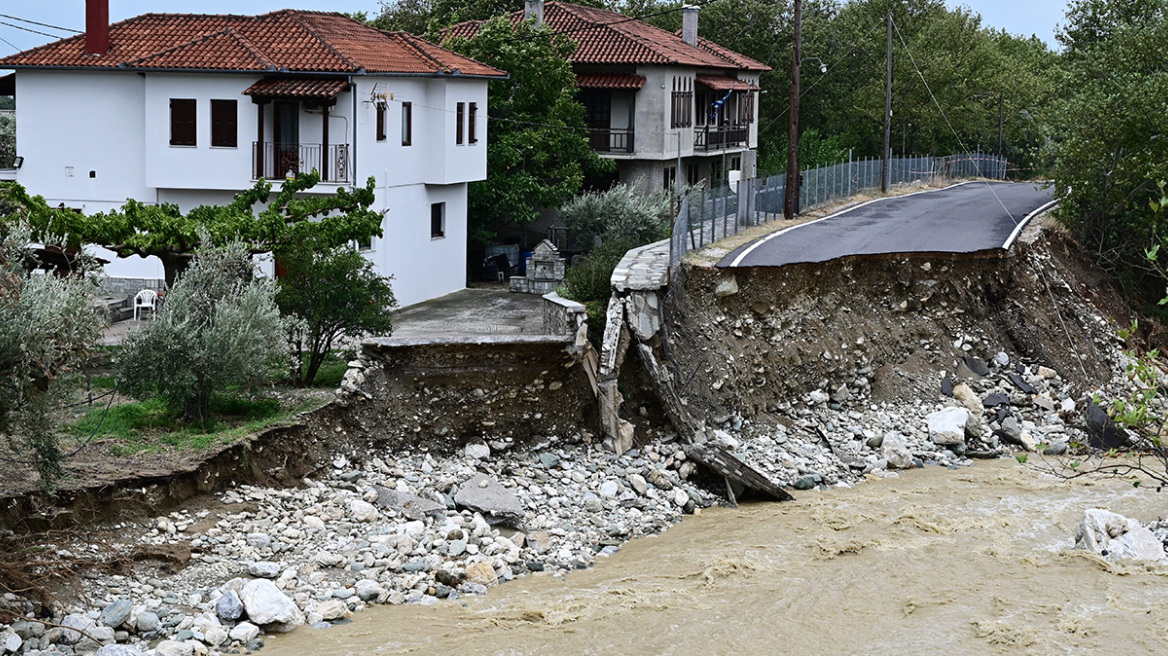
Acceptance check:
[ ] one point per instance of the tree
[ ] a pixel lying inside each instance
(329, 294)
(220, 327)
(619, 213)
(537, 145)
(1110, 142)
(47, 329)
(289, 218)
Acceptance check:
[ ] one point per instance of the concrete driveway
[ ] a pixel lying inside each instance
(964, 218)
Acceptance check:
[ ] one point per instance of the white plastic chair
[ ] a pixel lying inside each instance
(147, 299)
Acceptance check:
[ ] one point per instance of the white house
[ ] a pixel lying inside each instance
(191, 109)
(651, 94)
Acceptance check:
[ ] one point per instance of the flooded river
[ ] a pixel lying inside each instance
(975, 561)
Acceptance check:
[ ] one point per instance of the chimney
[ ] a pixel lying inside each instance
(689, 25)
(533, 9)
(96, 27)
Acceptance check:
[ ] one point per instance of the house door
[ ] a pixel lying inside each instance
(286, 128)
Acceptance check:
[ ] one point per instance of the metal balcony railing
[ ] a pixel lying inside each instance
(275, 160)
(713, 137)
(611, 140)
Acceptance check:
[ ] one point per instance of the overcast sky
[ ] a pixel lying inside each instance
(1023, 17)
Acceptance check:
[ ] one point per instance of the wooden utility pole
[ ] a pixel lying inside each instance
(791, 190)
(884, 171)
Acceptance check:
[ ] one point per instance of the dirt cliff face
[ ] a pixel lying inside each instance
(888, 327)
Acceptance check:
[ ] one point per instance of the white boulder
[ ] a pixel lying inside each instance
(1114, 536)
(947, 427)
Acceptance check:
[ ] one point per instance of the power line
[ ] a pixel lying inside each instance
(29, 29)
(32, 22)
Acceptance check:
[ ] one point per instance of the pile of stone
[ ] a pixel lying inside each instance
(414, 528)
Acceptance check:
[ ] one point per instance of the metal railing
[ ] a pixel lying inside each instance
(707, 215)
(712, 137)
(611, 140)
(275, 160)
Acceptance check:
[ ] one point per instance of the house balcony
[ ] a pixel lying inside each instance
(611, 140)
(275, 160)
(721, 137)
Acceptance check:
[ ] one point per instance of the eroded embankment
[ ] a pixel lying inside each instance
(746, 342)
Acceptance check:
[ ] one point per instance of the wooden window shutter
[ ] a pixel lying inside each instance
(224, 123)
(182, 122)
(458, 115)
(470, 125)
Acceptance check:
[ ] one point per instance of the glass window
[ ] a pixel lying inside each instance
(437, 220)
(407, 123)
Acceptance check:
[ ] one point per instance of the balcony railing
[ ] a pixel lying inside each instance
(274, 160)
(610, 140)
(713, 137)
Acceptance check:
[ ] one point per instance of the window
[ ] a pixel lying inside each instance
(670, 176)
(182, 122)
(224, 123)
(365, 244)
(407, 123)
(470, 126)
(682, 110)
(381, 122)
(736, 163)
(458, 123)
(692, 174)
(716, 177)
(437, 220)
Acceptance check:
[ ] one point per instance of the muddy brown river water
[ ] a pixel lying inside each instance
(976, 561)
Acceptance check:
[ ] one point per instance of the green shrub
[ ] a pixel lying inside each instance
(47, 329)
(219, 327)
(329, 294)
(618, 214)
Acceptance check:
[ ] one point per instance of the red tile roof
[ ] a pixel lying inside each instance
(297, 88)
(606, 37)
(609, 81)
(282, 41)
(724, 83)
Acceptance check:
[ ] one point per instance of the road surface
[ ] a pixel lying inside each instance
(964, 218)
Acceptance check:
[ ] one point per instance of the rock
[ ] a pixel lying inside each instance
(896, 451)
(244, 632)
(965, 396)
(638, 483)
(486, 495)
(1002, 359)
(841, 394)
(229, 607)
(1056, 448)
(1116, 537)
(363, 511)
(216, 636)
(13, 642)
(658, 479)
(74, 621)
(482, 574)
(548, 460)
(976, 366)
(265, 604)
(680, 497)
(147, 622)
(333, 609)
(609, 489)
(1012, 430)
(819, 397)
(947, 427)
(947, 385)
(116, 613)
(1046, 372)
(477, 450)
(1102, 431)
(259, 540)
(1022, 385)
(875, 442)
(263, 569)
(805, 482)
(119, 650)
(174, 648)
(314, 522)
(994, 400)
(727, 286)
(370, 592)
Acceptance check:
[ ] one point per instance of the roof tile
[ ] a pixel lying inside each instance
(287, 41)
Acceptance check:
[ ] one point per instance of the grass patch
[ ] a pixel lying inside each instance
(331, 371)
(149, 426)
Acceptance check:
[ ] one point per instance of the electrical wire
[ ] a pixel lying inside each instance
(945, 116)
(29, 29)
(32, 22)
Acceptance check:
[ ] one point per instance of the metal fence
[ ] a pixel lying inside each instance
(707, 215)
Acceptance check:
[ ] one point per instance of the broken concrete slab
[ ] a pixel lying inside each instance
(722, 461)
(484, 494)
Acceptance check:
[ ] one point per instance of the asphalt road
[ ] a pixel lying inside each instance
(964, 218)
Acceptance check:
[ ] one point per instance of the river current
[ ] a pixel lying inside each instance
(974, 561)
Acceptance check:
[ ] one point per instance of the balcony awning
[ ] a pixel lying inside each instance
(724, 83)
(616, 81)
(322, 91)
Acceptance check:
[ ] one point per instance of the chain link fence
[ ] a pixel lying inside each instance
(707, 215)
